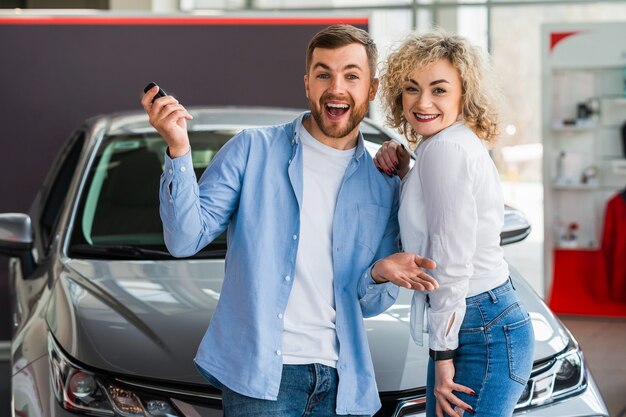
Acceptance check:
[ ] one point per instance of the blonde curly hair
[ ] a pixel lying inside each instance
(479, 93)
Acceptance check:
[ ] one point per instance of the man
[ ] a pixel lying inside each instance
(307, 215)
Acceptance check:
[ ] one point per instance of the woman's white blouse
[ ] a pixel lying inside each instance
(452, 211)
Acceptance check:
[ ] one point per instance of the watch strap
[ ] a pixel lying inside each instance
(441, 355)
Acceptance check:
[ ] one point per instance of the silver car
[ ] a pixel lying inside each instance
(106, 322)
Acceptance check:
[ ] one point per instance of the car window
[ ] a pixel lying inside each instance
(373, 134)
(120, 203)
(57, 191)
(118, 212)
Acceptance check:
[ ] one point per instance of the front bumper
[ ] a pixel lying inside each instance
(32, 396)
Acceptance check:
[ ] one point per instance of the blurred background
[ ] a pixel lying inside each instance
(512, 31)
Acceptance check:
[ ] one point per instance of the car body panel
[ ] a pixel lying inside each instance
(149, 307)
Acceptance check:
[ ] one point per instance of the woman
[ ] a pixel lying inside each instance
(436, 92)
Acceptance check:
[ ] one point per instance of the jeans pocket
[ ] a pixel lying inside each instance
(520, 346)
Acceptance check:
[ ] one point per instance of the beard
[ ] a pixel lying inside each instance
(340, 129)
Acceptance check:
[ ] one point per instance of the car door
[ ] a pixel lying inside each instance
(29, 275)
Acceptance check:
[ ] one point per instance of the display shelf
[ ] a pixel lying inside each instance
(565, 187)
(584, 109)
(612, 112)
(577, 248)
(617, 100)
(618, 166)
(561, 127)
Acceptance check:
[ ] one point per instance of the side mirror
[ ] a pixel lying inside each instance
(16, 234)
(516, 226)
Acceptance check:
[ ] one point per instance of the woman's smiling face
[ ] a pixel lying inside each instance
(431, 98)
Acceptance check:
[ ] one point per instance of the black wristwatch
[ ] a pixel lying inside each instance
(441, 355)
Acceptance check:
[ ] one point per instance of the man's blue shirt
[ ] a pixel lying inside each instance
(253, 187)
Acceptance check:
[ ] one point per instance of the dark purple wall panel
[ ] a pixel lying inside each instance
(55, 72)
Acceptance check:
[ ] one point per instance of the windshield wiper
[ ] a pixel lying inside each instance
(119, 252)
(210, 254)
(135, 252)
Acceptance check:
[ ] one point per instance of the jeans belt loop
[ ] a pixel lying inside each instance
(494, 299)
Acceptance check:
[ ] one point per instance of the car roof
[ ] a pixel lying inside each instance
(211, 118)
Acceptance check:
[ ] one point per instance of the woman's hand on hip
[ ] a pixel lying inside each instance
(444, 387)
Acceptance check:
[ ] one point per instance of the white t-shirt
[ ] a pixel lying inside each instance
(452, 211)
(309, 321)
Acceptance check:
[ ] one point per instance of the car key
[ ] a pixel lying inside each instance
(161, 92)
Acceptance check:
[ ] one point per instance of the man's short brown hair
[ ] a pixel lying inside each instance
(337, 36)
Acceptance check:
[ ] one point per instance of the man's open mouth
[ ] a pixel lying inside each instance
(336, 110)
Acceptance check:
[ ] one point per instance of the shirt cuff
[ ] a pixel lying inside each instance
(368, 285)
(438, 324)
(180, 167)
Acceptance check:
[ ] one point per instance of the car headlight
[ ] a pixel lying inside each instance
(80, 390)
(561, 377)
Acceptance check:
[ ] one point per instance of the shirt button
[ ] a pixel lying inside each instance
(278, 352)
(171, 201)
(287, 278)
(183, 169)
(280, 315)
(295, 237)
(171, 171)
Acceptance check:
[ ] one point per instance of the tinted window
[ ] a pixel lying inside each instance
(120, 202)
(57, 192)
(118, 215)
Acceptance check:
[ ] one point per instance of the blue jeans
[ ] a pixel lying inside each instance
(305, 391)
(495, 354)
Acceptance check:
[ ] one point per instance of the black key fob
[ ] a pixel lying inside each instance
(161, 92)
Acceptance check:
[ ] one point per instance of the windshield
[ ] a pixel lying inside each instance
(118, 214)
(119, 208)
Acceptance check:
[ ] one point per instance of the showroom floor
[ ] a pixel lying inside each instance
(603, 340)
(604, 345)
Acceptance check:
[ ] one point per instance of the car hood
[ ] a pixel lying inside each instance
(145, 319)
